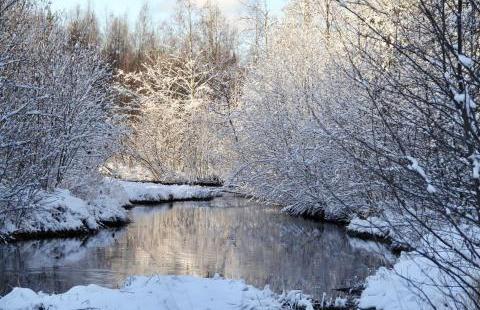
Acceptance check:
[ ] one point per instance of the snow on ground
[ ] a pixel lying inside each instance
(62, 212)
(433, 276)
(150, 192)
(159, 293)
(388, 289)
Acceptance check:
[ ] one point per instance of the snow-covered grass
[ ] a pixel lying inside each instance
(160, 293)
(150, 192)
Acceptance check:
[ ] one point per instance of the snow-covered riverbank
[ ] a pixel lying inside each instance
(378, 229)
(412, 283)
(138, 192)
(62, 213)
(416, 282)
(159, 293)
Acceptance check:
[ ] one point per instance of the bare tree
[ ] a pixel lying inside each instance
(418, 63)
(118, 45)
(259, 22)
(83, 28)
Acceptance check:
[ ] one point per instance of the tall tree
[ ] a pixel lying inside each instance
(118, 45)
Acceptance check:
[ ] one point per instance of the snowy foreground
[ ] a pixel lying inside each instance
(61, 212)
(160, 293)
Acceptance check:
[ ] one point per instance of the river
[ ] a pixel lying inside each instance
(233, 237)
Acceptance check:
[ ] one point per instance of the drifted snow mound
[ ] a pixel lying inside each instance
(159, 293)
(150, 192)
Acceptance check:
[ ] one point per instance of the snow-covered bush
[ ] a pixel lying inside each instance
(169, 136)
(56, 119)
(179, 99)
(16, 189)
(288, 132)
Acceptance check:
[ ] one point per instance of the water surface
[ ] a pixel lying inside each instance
(233, 237)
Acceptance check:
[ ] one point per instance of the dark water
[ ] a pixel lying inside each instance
(230, 236)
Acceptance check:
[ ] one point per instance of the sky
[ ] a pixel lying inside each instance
(161, 9)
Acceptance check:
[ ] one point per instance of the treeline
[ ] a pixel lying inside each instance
(125, 47)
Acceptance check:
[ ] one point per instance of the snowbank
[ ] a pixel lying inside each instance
(390, 229)
(139, 192)
(388, 289)
(371, 227)
(60, 213)
(158, 293)
(438, 274)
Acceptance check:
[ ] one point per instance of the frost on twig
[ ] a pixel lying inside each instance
(414, 166)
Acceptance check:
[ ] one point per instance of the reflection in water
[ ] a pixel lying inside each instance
(230, 236)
